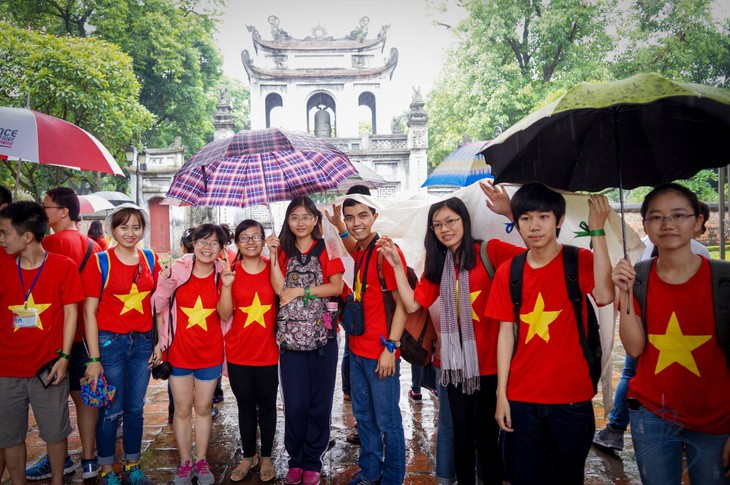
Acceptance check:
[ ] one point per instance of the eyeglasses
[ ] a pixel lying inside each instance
(255, 238)
(674, 218)
(448, 223)
(305, 218)
(52, 207)
(211, 244)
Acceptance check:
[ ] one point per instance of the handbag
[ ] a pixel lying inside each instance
(103, 396)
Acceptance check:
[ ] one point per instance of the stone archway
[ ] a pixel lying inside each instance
(273, 100)
(367, 98)
(316, 100)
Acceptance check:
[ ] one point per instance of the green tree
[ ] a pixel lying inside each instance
(87, 82)
(510, 56)
(171, 43)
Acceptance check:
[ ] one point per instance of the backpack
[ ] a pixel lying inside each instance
(591, 343)
(300, 326)
(720, 271)
(104, 265)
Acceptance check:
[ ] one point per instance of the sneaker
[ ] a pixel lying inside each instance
(353, 437)
(184, 474)
(358, 480)
(215, 413)
(414, 396)
(294, 476)
(310, 478)
(42, 468)
(204, 473)
(133, 475)
(89, 468)
(110, 478)
(610, 437)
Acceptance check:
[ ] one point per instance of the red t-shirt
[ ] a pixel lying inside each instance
(252, 337)
(486, 329)
(125, 304)
(26, 349)
(548, 366)
(73, 244)
(368, 344)
(683, 368)
(101, 242)
(329, 266)
(198, 340)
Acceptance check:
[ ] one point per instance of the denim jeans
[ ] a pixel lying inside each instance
(345, 369)
(618, 418)
(375, 407)
(124, 358)
(550, 442)
(445, 460)
(659, 444)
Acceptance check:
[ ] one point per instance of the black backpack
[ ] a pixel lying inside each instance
(720, 271)
(591, 343)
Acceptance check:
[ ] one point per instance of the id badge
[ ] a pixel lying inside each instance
(25, 318)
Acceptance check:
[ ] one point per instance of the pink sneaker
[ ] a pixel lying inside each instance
(294, 476)
(310, 478)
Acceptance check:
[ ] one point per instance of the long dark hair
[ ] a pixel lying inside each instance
(242, 226)
(465, 255)
(95, 230)
(287, 238)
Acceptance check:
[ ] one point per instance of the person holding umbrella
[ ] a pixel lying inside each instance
(679, 400)
(118, 319)
(251, 352)
(304, 277)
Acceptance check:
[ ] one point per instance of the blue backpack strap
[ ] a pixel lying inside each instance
(149, 256)
(102, 259)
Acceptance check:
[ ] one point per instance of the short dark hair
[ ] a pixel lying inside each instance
(6, 197)
(242, 226)
(186, 241)
(353, 202)
(66, 198)
(122, 216)
(27, 217)
(95, 230)
(535, 196)
(359, 189)
(205, 230)
(465, 256)
(287, 238)
(705, 213)
(691, 197)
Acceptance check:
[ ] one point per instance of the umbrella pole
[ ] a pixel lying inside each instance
(614, 114)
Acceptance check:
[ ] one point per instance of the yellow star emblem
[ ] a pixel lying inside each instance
(255, 312)
(674, 346)
(474, 295)
(539, 320)
(197, 314)
(41, 307)
(358, 287)
(133, 300)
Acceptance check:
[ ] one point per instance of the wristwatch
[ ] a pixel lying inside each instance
(394, 342)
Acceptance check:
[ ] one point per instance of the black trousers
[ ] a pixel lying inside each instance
(255, 388)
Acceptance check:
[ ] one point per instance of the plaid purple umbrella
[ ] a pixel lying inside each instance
(260, 166)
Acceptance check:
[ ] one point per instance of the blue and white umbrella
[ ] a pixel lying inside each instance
(462, 167)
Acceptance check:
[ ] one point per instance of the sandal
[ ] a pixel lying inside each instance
(267, 474)
(241, 471)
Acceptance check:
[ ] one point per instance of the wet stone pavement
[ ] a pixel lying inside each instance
(160, 458)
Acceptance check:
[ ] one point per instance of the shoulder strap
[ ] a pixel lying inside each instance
(370, 249)
(387, 296)
(570, 267)
(86, 256)
(149, 256)
(641, 282)
(485, 260)
(515, 288)
(720, 271)
(104, 264)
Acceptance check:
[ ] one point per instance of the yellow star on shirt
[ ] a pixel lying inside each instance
(474, 295)
(674, 346)
(197, 314)
(358, 287)
(133, 300)
(41, 307)
(255, 312)
(539, 320)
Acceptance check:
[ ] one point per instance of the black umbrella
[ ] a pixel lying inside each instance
(641, 131)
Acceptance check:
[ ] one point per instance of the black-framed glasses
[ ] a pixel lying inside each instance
(243, 238)
(448, 223)
(674, 218)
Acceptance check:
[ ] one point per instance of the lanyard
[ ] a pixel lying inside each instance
(35, 280)
(358, 264)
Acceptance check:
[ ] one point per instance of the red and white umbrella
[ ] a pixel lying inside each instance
(93, 203)
(36, 137)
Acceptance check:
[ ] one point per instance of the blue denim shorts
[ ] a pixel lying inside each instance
(206, 374)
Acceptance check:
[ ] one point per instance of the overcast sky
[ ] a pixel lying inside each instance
(420, 43)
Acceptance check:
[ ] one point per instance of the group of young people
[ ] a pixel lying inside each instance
(510, 361)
